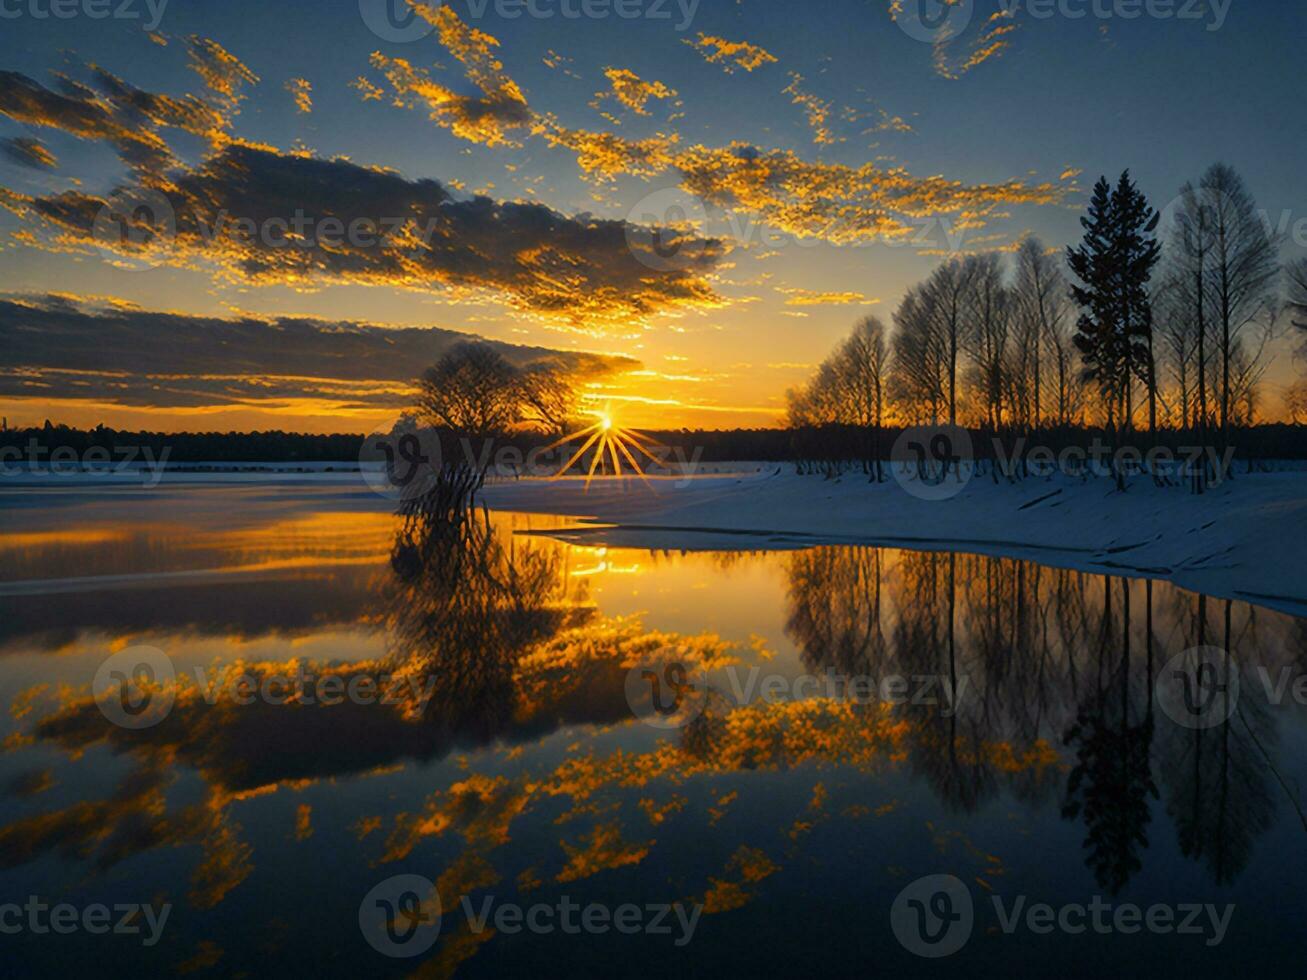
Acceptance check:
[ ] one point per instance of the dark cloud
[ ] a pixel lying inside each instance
(57, 347)
(116, 115)
(126, 117)
(357, 224)
(28, 152)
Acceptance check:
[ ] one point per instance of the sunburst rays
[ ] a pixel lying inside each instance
(611, 444)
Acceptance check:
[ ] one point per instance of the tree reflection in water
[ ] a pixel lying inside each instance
(463, 604)
(1060, 668)
(1054, 658)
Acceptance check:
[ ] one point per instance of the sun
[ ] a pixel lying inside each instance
(609, 440)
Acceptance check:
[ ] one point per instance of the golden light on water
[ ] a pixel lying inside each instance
(611, 443)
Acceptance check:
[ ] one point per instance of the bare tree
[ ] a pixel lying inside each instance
(817, 402)
(921, 379)
(1295, 402)
(471, 389)
(1244, 266)
(1177, 332)
(549, 397)
(986, 336)
(1296, 276)
(862, 367)
(949, 287)
(1040, 310)
(1070, 393)
(850, 388)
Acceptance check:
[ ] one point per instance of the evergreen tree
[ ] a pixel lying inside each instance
(1138, 252)
(1113, 264)
(1092, 263)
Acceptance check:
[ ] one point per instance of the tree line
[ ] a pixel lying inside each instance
(1156, 321)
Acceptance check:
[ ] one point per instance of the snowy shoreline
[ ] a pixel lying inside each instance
(1245, 539)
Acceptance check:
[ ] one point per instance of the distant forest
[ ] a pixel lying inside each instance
(829, 442)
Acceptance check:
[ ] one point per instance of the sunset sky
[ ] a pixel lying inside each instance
(831, 155)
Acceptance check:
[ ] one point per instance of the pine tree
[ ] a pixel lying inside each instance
(1114, 262)
(1138, 252)
(1093, 264)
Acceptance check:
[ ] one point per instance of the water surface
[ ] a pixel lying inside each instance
(794, 820)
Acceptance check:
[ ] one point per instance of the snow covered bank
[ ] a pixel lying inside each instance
(1246, 539)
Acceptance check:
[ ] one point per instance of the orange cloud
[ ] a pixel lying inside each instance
(730, 54)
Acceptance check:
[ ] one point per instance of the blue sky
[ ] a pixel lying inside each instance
(1052, 104)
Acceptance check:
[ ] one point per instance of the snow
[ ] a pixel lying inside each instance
(1245, 539)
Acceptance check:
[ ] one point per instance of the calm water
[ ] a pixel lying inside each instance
(794, 819)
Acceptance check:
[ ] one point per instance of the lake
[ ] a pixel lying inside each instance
(293, 719)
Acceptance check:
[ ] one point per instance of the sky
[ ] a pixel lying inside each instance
(693, 201)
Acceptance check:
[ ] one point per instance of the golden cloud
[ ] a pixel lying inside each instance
(730, 54)
(817, 111)
(633, 91)
(354, 224)
(301, 90)
(808, 297)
